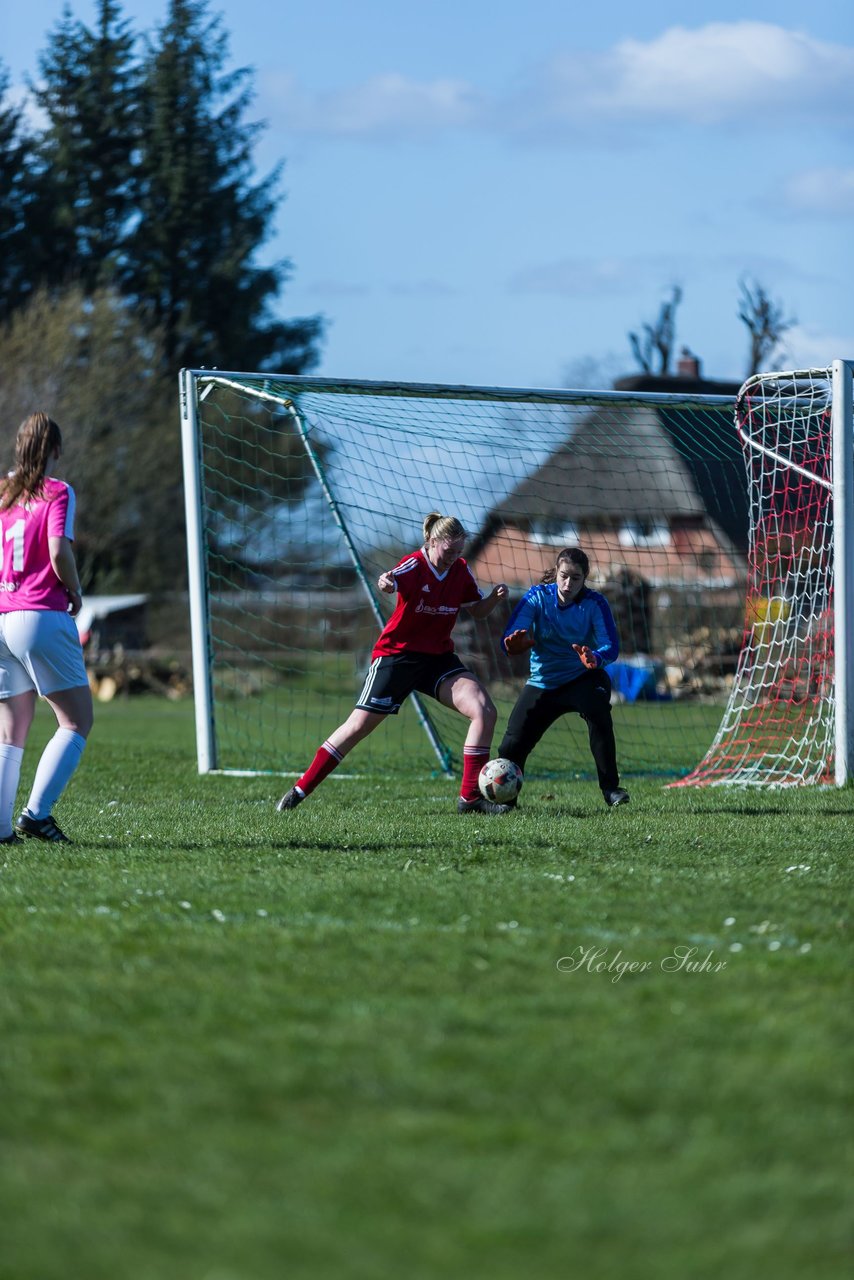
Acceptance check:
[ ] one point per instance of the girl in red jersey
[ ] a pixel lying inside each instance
(414, 652)
(40, 650)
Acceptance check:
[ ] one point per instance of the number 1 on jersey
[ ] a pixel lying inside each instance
(15, 535)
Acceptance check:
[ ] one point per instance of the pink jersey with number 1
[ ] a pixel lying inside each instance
(27, 578)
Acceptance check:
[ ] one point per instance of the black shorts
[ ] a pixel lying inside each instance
(390, 680)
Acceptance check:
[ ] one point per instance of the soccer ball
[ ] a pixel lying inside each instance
(500, 781)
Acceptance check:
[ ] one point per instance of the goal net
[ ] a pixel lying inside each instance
(301, 491)
(779, 726)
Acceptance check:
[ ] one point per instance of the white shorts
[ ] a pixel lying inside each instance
(39, 649)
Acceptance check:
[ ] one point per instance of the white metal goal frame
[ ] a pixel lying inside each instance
(195, 384)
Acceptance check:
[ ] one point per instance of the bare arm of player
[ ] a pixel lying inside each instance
(65, 567)
(483, 608)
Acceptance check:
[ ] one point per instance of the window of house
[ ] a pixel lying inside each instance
(643, 533)
(554, 532)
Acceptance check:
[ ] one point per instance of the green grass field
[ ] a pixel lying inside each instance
(372, 1038)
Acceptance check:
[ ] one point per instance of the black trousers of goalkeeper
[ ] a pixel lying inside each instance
(537, 709)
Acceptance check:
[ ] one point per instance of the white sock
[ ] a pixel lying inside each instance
(58, 761)
(10, 773)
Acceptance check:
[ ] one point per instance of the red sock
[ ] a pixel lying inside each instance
(324, 762)
(474, 758)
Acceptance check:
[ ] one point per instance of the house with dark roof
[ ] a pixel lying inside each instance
(653, 487)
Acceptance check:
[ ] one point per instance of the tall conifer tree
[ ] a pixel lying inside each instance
(86, 155)
(15, 157)
(202, 217)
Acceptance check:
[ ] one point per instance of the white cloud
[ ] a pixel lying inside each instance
(338, 288)
(810, 348)
(720, 73)
(579, 277)
(422, 289)
(739, 74)
(826, 192)
(387, 107)
(656, 272)
(754, 265)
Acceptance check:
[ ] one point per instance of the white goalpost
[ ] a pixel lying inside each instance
(725, 587)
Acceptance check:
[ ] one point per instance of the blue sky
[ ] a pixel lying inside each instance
(496, 194)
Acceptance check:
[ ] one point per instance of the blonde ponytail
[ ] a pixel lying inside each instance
(445, 528)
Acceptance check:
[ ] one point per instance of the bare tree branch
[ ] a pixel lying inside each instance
(765, 323)
(658, 338)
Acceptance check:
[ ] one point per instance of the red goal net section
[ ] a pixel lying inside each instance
(788, 721)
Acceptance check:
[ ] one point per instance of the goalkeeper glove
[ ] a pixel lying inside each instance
(518, 642)
(587, 656)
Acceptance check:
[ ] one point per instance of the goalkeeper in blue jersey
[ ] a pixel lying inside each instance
(570, 633)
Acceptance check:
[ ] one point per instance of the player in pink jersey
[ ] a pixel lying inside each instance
(40, 649)
(414, 652)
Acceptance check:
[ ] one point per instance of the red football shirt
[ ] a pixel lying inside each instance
(427, 606)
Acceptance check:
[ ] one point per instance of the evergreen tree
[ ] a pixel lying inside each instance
(84, 193)
(15, 157)
(202, 219)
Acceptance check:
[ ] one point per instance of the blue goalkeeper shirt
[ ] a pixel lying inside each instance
(556, 627)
